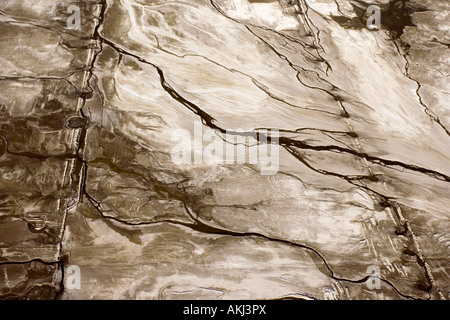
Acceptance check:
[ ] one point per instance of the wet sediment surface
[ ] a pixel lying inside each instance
(94, 120)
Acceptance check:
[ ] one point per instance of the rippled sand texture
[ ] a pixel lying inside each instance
(87, 179)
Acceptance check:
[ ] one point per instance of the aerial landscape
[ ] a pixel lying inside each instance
(225, 149)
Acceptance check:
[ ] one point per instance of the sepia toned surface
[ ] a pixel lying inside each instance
(88, 120)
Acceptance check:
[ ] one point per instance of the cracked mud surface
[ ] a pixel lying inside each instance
(87, 118)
